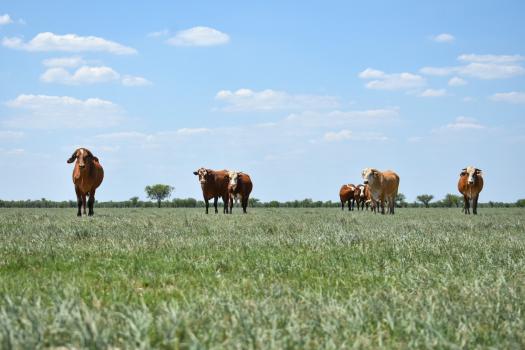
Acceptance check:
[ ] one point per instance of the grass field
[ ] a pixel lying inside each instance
(272, 279)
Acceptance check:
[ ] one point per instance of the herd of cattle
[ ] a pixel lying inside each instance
(379, 188)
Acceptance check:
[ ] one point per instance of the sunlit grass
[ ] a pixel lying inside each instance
(281, 278)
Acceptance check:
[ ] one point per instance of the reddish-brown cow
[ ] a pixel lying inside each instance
(359, 197)
(214, 184)
(240, 187)
(470, 185)
(346, 194)
(87, 176)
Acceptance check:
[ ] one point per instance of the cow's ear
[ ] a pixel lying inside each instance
(73, 157)
(478, 171)
(195, 173)
(462, 173)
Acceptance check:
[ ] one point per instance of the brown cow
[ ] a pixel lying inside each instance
(383, 187)
(240, 187)
(214, 184)
(346, 194)
(359, 196)
(470, 185)
(87, 176)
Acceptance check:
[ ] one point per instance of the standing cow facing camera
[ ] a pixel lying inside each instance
(470, 185)
(87, 177)
(346, 194)
(359, 196)
(214, 184)
(239, 187)
(383, 187)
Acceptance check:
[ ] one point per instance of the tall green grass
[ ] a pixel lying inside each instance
(272, 279)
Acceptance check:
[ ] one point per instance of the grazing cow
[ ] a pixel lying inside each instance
(346, 194)
(214, 184)
(359, 196)
(470, 185)
(87, 176)
(383, 187)
(240, 187)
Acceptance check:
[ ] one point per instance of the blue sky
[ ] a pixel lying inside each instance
(301, 95)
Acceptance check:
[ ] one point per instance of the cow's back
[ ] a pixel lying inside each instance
(345, 192)
(390, 182)
(220, 183)
(246, 184)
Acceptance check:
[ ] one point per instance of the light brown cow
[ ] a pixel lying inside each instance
(383, 187)
(240, 187)
(214, 184)
(346, 194)
(87, 177)
(470, 185)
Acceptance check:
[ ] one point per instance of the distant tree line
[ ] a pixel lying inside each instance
(449, 201)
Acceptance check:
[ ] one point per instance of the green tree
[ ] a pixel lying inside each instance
(159, 192)
(401, 200)
(520, 203)
(425, 199)
(452, 200)
(253, 202)
(134, 201)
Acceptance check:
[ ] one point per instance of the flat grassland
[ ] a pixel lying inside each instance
(272, 279)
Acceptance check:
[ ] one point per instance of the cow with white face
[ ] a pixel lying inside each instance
(239, 188)
(359, 196)
(383, 187)
(470, 185)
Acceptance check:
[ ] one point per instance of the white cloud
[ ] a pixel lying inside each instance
(332, 119)
(192, 131)
(10, 135)
(55, 112)
(509, 97)
(199, 36)
(490, 58)
(83, 75)
(482, 67)
(345, 134)
(5, 19)
(457, 81)
(465, 123)
(265, 100)
(396, 81)
(443, 38)
(70, 62)
(129, 80)
(338, 135)
(69, 42)
(433, 93)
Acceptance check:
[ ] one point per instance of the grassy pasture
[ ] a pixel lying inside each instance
(272, 279)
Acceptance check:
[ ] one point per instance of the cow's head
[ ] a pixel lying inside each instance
(472, 174)
(234, 178)
(203, 175)
(359, 191)
(83, 157)
(369, 175)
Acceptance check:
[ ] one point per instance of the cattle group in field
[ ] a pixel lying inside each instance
(379, 188)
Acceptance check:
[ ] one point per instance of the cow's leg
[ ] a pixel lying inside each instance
(215, 200)
(79, 201)
(225, 201)
(349, 204)
(244, 204)
(466, 205)
(342, 205)
(382, 201)
(392, 206)
(84, 203)
(91, 202)
(207, 201)
(475, 205)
